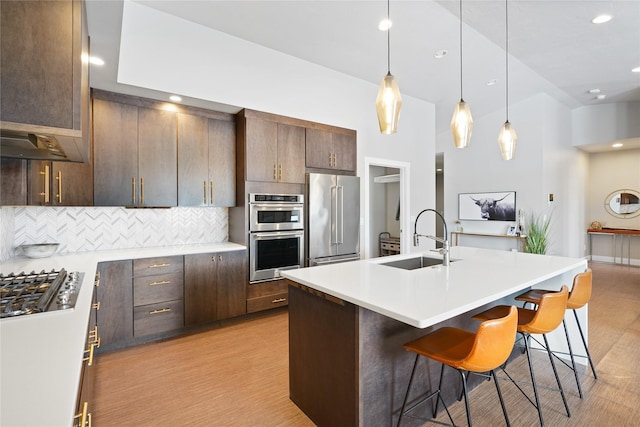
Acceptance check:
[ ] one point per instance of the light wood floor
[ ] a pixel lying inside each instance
(238, 375)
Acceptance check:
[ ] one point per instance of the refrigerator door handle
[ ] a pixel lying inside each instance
(340, 215)
(334, 214)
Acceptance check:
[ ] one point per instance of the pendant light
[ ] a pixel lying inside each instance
(508, 138)
(388, 101)
(461, 122)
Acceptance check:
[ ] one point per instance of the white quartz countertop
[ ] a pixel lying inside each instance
(41, 354)
(426, 296)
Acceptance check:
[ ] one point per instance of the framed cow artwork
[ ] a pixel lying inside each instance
(495, 206)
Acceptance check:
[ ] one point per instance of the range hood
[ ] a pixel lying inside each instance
(42, 146)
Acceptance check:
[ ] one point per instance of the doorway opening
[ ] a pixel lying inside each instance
(386, 203)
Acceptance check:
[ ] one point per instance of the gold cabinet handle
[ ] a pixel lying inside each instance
(83, 417)
(330, 159)
(335, 160)
(133, 190)
(211, 190)
(160, 310)
(274, 172)
(46, 192)
(204, 193)
(219, 257)
(97, 283)
(89, 359)
(277, 300)
(166, 264)
(59, 195)
(142, 191)
(280, 173)
(161, 282)
(94, 337)
(96, 305)
(213, 258)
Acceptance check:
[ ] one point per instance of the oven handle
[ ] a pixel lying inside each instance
(277, 234)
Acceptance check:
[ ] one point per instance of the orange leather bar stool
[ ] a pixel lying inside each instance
(578, 298)
(545, 319)
(479, 352)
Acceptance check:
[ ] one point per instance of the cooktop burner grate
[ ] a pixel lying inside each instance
(28, 293)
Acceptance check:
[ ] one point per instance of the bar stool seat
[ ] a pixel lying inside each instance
(546, 318)
(578, 297)
(479, 352)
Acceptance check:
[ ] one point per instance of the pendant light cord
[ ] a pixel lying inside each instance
(506, 52)
(461, 98)
(388, 40)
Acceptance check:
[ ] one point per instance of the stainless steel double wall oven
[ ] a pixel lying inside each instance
(276, 235)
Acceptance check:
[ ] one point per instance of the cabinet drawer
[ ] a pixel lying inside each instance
(161, 317)
(152, 289)
(160, 265)
(271, 287)
(390, 246)
(267, 302)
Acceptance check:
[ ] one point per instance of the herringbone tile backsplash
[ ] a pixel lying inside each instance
(98, 228)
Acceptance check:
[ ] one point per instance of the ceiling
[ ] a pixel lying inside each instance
(553, 46)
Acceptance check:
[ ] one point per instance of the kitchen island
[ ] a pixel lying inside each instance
(348, 322)
(41, 355)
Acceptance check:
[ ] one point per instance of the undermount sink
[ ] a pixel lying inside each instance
(413, 263)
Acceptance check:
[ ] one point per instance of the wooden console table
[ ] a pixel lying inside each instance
(457, 234)
(614, 233)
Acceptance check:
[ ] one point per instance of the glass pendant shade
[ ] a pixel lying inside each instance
(507, 141)
(461, 125)
(388, 104)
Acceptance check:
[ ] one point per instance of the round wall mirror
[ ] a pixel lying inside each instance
(623, 203)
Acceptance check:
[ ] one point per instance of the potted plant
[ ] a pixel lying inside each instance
(537, 235)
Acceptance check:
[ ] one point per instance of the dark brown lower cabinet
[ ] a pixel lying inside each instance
(214, 286)
(115, 293)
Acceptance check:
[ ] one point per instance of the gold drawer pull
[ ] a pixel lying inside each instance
(90, 358)
(83, 417)
(96, 305)
(204, 194)
(161, 310)
(93, 336)
(277, 300)
(159, 265)
(59, 195)
(161, 282)
(97, 283)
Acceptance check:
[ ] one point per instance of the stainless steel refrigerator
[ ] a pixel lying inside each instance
(333, 218)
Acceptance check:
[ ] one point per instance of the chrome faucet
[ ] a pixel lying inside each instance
(445, 243)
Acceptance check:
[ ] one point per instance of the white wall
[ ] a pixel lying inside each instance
(241, 73)
(609, 172)
(607, 122)
(544, 163)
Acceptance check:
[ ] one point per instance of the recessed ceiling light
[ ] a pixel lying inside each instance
(617, 145)
(635, 70)
(385, 24)
(601, 97)
(440, 54)
(594, 91)
(175, 98)
(601, 19)
(492, 82)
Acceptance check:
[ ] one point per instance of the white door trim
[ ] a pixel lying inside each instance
(405, 208)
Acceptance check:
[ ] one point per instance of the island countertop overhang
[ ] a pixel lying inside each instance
(430, 295)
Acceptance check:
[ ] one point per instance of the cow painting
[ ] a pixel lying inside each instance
(495, 209)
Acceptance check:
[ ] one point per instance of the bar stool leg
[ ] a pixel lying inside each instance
(555, 372)
(533, 380)
(504, 409)
(435, 410)
(466, 397)
(573, 360)
(406, 395)
(584, 342)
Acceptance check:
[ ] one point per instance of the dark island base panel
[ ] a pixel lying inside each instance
(348, 366)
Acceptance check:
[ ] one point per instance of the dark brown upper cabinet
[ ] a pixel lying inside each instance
(331, 150)
(274, 151)
(135, 155)
(45, 72)
(206, 161)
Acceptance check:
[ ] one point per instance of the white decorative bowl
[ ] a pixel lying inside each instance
(40, 250)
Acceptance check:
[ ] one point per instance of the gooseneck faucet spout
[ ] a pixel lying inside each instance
(445, 243)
